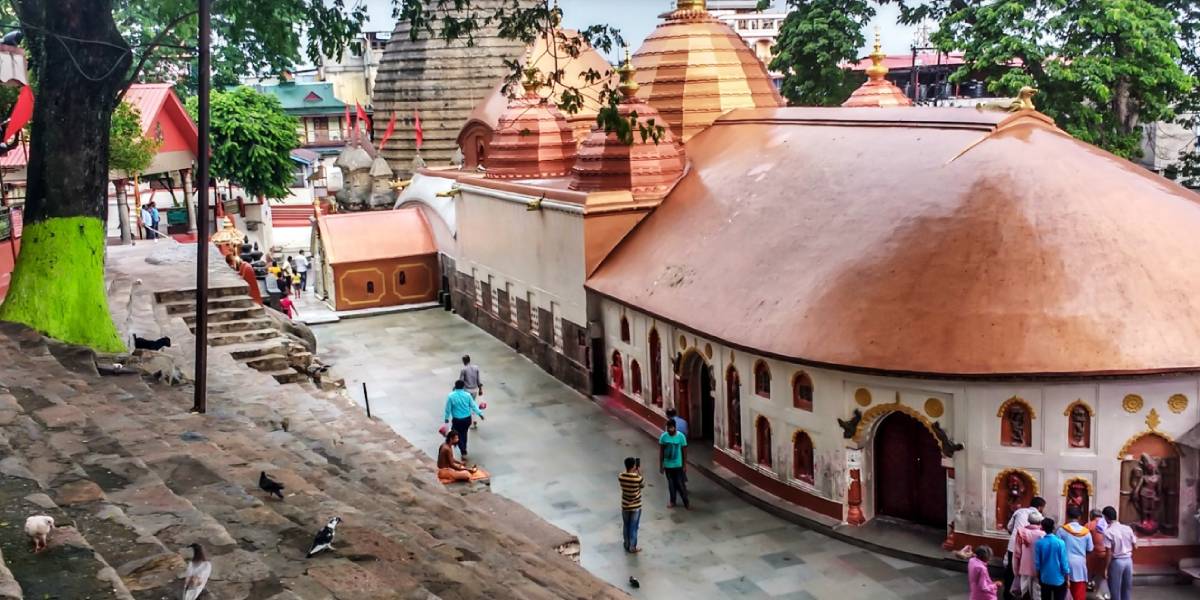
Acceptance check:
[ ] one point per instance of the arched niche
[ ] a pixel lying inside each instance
(1013, 488)
(1150, 479)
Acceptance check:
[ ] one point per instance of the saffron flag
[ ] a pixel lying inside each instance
(362, 116)
(348, 128)
(417, 127)
(21, 114)
(388, 132)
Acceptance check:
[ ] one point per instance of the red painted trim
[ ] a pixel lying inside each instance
(643, 412)
(778, 488)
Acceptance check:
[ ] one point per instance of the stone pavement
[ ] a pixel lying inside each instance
(557, 453)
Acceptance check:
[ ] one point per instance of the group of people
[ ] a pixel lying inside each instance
(672, 462)
(462, 406)
(150, 221)
(1052, 562)
(285, 280)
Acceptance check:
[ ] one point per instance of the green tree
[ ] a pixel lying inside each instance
(252, 139)
(818, 37)
(130, 152)
(1103, 67)
(84, 61)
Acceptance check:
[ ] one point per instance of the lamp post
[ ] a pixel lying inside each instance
(200, 403)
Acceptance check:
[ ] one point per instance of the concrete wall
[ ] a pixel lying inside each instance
(968, 413)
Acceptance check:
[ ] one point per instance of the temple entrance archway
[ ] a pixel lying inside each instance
(694, 400)
(910, 482)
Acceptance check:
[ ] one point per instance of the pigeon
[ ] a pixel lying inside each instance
(197, 573)
(324, 539)
(634, 583)
(38, 528)
(141, 343)
(270, 486)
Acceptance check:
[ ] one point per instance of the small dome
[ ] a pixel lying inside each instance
(877, 91)
(646, 168)
(533, 139)
(694, 68)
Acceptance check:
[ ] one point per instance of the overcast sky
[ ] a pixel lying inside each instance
(636, 18)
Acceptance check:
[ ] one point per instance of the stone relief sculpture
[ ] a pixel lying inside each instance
(1147, 495)
(1079, 434)
(1016, 426)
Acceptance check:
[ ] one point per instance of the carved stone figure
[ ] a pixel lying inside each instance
(1016, 426)
(1079, 433)
(1147, 496)
(1010, 497)
(1077, 495)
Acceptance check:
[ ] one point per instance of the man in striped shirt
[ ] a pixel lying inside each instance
(631, 502)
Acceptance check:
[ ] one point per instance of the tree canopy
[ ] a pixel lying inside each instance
(1103, 67)
(251, 139)
(128, 149)
(816, 39)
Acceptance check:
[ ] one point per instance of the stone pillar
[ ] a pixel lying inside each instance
(123, 212)
(854, 495)
(949, 542)
(185, 175)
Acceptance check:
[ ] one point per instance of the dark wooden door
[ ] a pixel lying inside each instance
(910, 482)
(707, 408)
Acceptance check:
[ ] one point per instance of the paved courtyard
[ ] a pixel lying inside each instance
(554, 451)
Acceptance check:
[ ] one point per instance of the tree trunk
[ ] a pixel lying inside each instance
(123, 212)
(58, 285)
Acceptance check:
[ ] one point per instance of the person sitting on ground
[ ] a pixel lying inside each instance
(979, 582)
(286, 304)
(448, 468)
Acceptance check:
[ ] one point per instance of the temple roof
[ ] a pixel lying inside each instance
(375, 235)
(694, 68)
(877, 91)
(932, 241)
(444, 81)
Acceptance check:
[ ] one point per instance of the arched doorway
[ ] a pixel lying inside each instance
(910, 482)
(695, 396)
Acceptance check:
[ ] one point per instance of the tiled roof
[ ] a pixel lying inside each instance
(306, 98)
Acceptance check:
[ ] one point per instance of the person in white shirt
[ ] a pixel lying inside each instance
(1017, 522)
(147, 222)
(301, 265)
(1120, 542)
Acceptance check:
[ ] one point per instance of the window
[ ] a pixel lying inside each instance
(1016, 423)
(370, 287)
(402, 278)
(1079, 425)
(655, 368)
(617, 371)
(485, 293)
(762, 430)
(625, 330)
(762, 379)
(733, 403)
(802, 391)
(635, 378)
(802, 457)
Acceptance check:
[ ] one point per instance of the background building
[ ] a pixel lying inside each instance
(353, 73)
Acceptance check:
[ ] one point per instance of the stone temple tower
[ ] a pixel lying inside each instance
(443, 81)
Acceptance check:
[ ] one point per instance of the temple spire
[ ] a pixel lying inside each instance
(696, 5)
(628, 86)
(877, 70)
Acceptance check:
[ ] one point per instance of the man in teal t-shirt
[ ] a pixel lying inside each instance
(672, 454)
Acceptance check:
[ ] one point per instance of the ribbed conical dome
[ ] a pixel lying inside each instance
(694, 68)
(877, 91)
(533, 141)
(442, 81)
(645, 168)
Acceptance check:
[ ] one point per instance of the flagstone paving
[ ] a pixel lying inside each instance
(558, 453)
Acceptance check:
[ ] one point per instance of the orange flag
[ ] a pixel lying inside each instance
(362, 117)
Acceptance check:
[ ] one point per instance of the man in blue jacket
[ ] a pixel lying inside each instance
(459, 408)
(1050, 562)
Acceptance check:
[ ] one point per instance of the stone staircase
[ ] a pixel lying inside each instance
(132, 478)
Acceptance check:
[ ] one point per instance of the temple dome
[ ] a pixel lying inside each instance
(694, 68)
(533, 139)
(646, 168)
(877, 91)
(443, 81)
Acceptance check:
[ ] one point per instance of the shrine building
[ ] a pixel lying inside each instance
(875, 310)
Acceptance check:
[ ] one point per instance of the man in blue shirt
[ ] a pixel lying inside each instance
(459, 408)
(1050, 562)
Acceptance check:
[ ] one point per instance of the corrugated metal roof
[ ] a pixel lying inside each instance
(375, 235)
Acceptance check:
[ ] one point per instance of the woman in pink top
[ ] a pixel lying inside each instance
(980, 583)
(1023, 557)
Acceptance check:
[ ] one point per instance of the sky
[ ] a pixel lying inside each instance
(636, 18)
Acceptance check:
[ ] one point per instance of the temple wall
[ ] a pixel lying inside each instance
(966, 410)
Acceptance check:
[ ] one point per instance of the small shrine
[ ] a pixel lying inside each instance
(877, 91)
(355, 163)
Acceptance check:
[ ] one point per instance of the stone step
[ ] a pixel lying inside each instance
(249, 350)
(189, 295)
(238, 337)
(189, 307)
(234, 325)
(287, 375)
(227, 314)
(270, 362)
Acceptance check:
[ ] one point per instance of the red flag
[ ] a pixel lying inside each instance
(388, 133)
(348, 129)
(417, 126)
(362, 116)
(21, 114)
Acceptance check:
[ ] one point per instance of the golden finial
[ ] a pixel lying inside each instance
(628, 85)
(877, 70)
(696, 5)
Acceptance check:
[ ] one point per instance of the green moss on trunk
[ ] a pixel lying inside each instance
(58, 285)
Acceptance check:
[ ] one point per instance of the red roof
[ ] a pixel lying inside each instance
(152, 98)
(375, 235)
(905, 61)
(15, 158)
